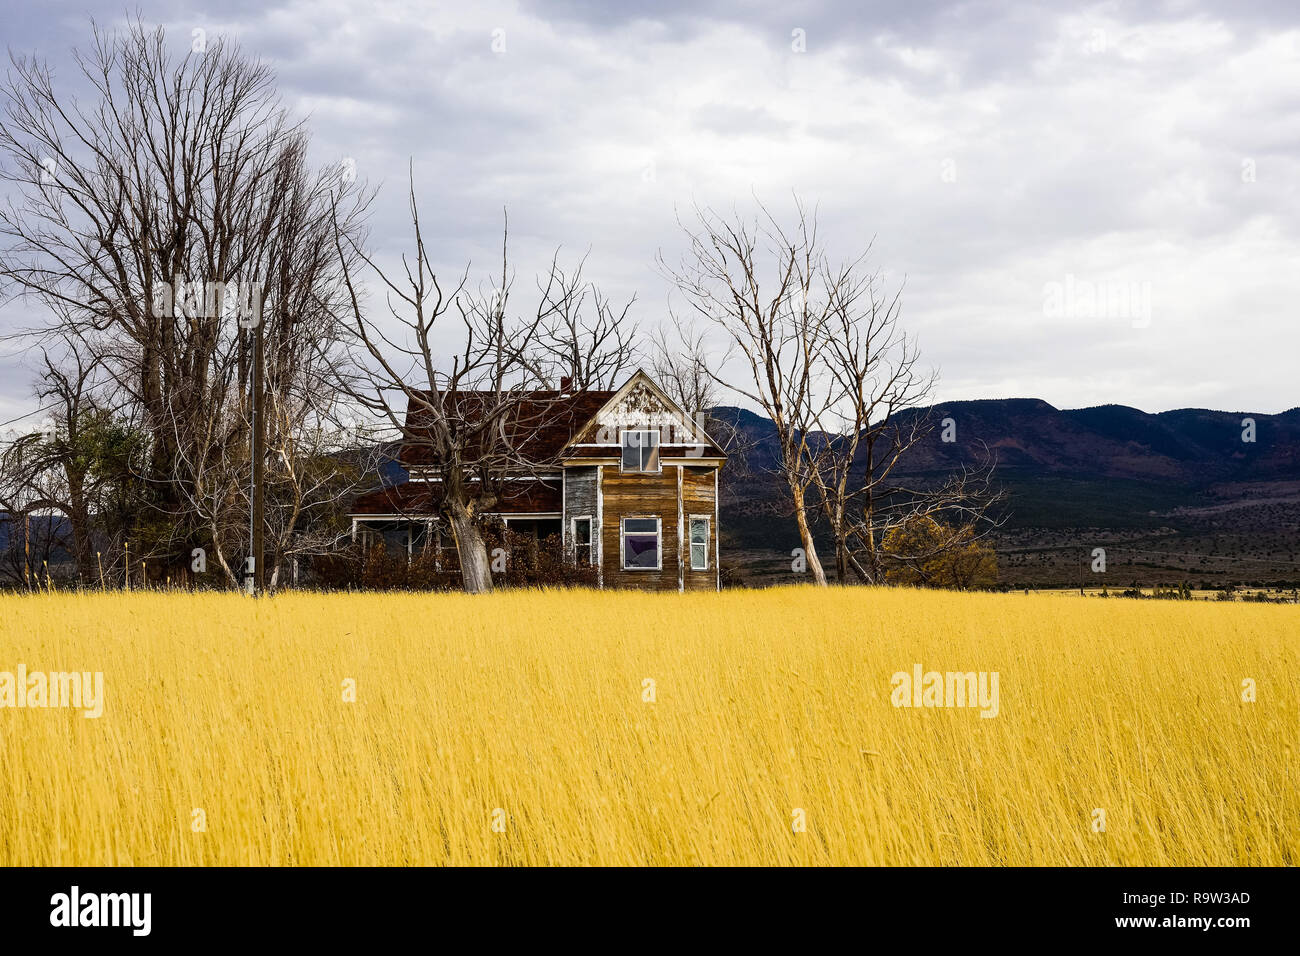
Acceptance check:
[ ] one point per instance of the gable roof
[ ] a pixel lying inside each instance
(540, 425)
(545, 425)
(420, 499)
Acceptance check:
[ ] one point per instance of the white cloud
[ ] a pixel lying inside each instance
(1096, 143)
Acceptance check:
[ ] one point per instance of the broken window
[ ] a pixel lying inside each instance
(640, 544)
(582, 550)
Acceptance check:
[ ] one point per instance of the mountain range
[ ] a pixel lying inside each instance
(1192, 483)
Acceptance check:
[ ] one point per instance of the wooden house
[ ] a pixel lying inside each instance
(626, 479)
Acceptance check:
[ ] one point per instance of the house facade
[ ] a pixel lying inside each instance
(626, 478)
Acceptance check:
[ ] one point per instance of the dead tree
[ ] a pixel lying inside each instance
(876, 412)
(757, 283)
(465, 417)
(583, 338)
(873, 377)
(160, 221)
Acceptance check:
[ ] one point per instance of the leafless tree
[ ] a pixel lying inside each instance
(582, 338)
(879, 411)
(757, 283)
(315, 466)
(68, 454)
(874, 376)
(159, 222)
(825, 356)
(466, 419)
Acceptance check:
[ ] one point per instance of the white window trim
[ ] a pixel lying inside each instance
(690, 546)
(591, 537)
(622, 541)
(622, 432)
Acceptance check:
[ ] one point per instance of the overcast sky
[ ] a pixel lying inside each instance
(1090, 203)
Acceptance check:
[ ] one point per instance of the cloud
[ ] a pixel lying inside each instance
(990, 149)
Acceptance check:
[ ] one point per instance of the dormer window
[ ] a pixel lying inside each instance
(640, 450)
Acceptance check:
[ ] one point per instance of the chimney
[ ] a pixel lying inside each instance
(566, 384)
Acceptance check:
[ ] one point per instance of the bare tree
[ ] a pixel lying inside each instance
(160, 222)
(874, 377)
(880, 411)
(582, 338)
(313, 470)
(829, 362)
(877, 411)
(757, 283)
(467, 419)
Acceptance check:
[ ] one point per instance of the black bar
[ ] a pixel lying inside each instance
(984, 908)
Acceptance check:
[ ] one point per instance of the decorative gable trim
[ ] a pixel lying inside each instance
(687, 431)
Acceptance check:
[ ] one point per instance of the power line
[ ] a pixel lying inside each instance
(43, 408)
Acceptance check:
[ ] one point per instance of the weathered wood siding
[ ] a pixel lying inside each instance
(579, 498)
(639, 496)
(672, 496)
(699, 497)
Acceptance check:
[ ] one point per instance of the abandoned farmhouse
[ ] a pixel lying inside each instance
(626, 478)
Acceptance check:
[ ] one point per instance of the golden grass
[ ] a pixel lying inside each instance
(767, 702)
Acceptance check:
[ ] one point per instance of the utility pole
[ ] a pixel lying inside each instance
(254, 573)
(259, 460)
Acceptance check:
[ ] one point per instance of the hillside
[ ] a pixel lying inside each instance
(1173, 495)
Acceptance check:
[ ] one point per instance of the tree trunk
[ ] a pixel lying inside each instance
(806, 538)
(475, 571)
(79, 518)
(860, 571)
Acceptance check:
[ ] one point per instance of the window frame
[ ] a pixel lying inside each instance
(659, 541)
(622, 446)
(591, 538)
(691, 545)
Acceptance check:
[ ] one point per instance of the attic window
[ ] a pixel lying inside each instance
(640, 450)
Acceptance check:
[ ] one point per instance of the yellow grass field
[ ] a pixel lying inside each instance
(515, 729)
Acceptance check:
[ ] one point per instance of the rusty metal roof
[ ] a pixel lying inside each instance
(420, 499)
(540, 422)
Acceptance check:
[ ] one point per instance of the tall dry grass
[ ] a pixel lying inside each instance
(766, 703)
